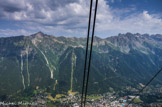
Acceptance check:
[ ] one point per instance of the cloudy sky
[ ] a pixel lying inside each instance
(70, 17)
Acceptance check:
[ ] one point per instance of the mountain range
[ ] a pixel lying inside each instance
(56, 63)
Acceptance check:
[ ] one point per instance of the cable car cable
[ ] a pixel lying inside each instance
(85, 64)
(145, 86)
(89, 64)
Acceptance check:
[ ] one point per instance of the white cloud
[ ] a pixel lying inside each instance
(146, 15)
(70, 18)
(10, 32)
(112, 24)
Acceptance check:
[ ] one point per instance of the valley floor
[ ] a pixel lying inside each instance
(151, 97)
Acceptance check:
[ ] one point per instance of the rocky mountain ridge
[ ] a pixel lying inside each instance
(56, 63)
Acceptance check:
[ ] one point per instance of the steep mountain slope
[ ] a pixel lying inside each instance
(57, 63)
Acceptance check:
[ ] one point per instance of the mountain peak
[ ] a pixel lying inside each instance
(38, 35)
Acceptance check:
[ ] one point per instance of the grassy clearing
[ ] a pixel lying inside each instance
(94, 97)
(57, 97)
(136, 100)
